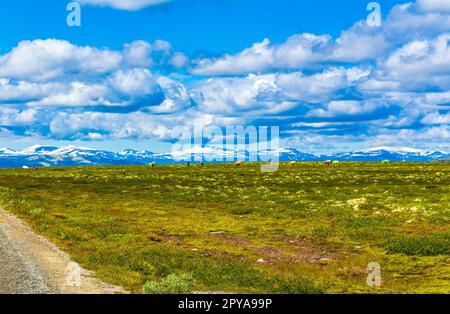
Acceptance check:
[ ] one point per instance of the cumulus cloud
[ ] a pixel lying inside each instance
(297, 52)
(135, 82)
(135, 125)
(57, 73)
(434, 5)
(75, 94)
(409, 137)
(385, 86)
(23, 91)
(179, 60)
(45, 85)
(51, 59)
(436, 118)
(40, 60)
(320, 86)
(422, 57)
(231, 95)
(10, 116)
(358, 44)
(138, 53)
(342, 107)
(176, 96)
(273, 93)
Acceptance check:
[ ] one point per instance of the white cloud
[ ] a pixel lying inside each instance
(405, 23)
(434, 5)
(421, 58)
(256, 58)
(299, 51)
(273, 93)
(374, 84)
(360, 43)
(176, 96)
(10, 116)
(418, 66)
(179, 60)
(436, 118)
(438, 99)
(131, 5)
(232, 95)
(134, 82)
(318, 87)
(342, 107)
(48, 59)
(138, 53)
(402, 67)
(52, 59)
(94, 136)
(55, 73)
(162, 45)
(22, 91)
(434, 136)
(76, 94)
(137, 125)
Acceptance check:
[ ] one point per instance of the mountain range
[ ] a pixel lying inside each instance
(46, 156)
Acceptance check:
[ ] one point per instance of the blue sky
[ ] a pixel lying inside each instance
(216, 26)
(136, 70)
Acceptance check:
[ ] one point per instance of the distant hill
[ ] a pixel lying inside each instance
(43, 156)
(395, 154)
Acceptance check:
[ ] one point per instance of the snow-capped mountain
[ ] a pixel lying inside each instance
(44, 156)
(390, 153)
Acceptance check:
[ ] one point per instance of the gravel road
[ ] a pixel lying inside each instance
(30, 264)
(18, 272)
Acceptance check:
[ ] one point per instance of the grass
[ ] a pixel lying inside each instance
(306, 229)
(173, 284)
(435, 244)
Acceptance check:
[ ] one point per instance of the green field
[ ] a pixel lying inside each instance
(313, 228)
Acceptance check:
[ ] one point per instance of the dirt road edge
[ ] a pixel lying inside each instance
(61, 273)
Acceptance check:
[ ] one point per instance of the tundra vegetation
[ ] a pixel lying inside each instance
(311, 228)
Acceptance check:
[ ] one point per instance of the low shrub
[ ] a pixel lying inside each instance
(182, 283)
(436, 244)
